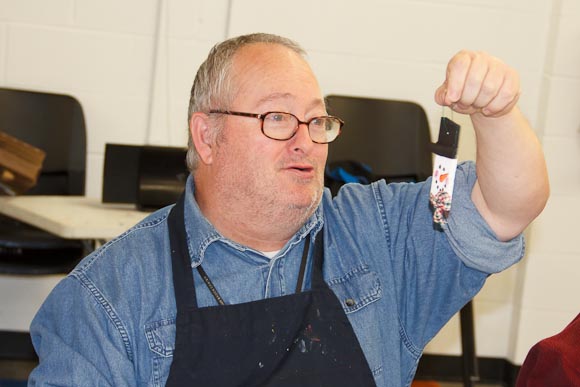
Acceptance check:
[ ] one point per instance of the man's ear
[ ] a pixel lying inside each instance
(201, 134)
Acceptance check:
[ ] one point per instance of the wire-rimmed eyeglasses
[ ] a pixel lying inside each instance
(283, 126)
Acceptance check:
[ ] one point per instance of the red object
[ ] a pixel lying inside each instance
(554, 361)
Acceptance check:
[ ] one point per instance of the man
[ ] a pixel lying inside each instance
(259, 277)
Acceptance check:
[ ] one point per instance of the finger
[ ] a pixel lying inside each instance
(505, 110)
(474, 79)
(491, 84)
(440, 94)
(457, 70)
(507, 95)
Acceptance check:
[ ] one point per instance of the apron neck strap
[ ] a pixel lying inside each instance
(318, 259)
(303, 264)
(180, 259)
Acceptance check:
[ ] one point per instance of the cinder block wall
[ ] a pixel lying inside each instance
(131, 64)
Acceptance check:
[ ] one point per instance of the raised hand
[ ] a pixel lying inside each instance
(477, 82)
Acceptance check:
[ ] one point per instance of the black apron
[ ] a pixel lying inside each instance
(302, 339)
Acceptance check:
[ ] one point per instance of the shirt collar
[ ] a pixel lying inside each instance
(201, 233)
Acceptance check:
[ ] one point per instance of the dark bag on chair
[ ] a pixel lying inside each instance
(338, 173)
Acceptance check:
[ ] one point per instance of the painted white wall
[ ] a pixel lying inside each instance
(131, 64)
(546, 299)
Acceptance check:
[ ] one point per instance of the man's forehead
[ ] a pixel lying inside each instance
(271, 74)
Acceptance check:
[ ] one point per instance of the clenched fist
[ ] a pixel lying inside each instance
(477, 82)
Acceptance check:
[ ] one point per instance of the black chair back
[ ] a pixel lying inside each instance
(391, 137)
(54, 123)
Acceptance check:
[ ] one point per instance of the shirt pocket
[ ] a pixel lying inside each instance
(161, 337)
(357, 288)
(358, 292)
(161, 341)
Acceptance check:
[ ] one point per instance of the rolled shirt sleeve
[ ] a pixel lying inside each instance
(470, 236)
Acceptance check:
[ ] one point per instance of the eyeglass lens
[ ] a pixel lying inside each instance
(282, 126)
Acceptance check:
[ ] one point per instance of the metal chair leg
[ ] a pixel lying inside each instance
(469, 357)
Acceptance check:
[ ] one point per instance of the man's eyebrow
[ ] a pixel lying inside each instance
(279, 96)
(274, 97)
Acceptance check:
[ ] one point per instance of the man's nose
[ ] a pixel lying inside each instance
(301, 140)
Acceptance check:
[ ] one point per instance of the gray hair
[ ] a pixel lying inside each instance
(212, 87)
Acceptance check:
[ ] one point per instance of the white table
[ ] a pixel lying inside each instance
(72, 217)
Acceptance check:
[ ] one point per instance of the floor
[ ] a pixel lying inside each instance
(19, 371)
(448, 384)
(15, 370)
(461, 385)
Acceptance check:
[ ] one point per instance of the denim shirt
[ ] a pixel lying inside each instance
(111, 321)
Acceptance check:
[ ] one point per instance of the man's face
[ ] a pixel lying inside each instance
(258, 171)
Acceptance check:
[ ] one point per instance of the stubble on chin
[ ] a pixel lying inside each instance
(250, 201)
(300, 213)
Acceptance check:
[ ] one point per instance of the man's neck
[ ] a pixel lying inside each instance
(263, 229)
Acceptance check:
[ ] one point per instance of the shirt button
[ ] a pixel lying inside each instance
(349, 302)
